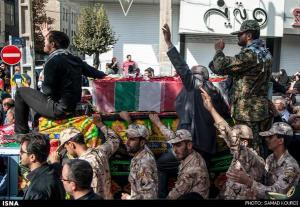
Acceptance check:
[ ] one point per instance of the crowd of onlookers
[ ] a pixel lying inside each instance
(129, 68)
(285, 97)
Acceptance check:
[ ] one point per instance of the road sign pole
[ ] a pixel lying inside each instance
(11, 67)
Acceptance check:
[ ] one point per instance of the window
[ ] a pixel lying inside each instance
(10, 13)
(67, 14)
(64, 13)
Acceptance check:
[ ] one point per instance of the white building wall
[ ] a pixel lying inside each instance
(138, 34)
(53, 10)
(290, 50)
(72, 10)
(200, 50)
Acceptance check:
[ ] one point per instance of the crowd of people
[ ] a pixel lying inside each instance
(259, 140)
(129, 68)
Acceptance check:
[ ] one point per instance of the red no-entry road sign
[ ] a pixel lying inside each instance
(11, 55)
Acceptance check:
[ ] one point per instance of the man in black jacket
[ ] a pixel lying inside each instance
(43, 178)
(77, 177)
(61, 89)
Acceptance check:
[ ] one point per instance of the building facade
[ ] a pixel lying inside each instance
(290, 42)
(137, 33)
(65, 13)
(9, 22)
(2, 24)
(195, 28)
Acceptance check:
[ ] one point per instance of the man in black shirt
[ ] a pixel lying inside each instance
(61, 89)
(43, 178)
(77, 177)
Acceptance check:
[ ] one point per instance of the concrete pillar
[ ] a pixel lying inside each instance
(165, 17)
(26, 31)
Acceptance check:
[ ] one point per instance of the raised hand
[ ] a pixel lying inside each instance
(167, 34)
(219, 45)
(125, 116)
(154, 118)
(207, 103)
(44, 29)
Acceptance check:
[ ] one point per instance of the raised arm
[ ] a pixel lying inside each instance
(168, 133)
(187, 77)
(225, 65)
(225, 131)
(111, 145)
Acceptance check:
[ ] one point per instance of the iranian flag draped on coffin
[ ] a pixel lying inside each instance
(136, 95)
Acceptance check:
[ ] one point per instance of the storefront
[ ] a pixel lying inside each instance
(202, 22)
(290, 47)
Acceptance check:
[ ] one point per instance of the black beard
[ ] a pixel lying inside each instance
(132, 150)
(242, 44)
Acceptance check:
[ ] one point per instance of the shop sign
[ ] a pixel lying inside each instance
(226, 16)
(239, 13)
(296, 14)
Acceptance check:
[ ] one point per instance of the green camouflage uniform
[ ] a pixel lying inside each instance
(193, 174)
(244, 158)
(143, 176)
(99, 160)
(251, 72)
(97, 157)
(281, 174)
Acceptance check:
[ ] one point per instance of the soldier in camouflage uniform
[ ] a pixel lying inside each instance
(251, 72)
(73, 141)
(193, 175)
(282, 170)
(244, 157)
(143, 176)
(143, 171)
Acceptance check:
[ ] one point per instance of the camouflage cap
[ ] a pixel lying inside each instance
(245, 132)
(278, 128)
(246, 26)
(66, 135)
(181, 135)
(137, 130)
